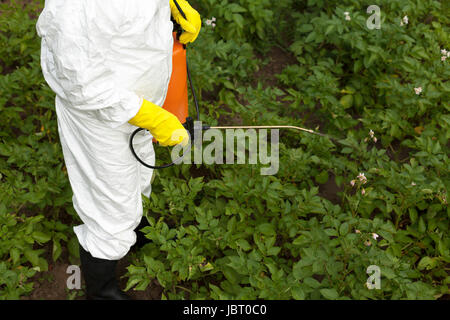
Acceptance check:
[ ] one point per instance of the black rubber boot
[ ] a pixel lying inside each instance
(100, 278)
(141, 240)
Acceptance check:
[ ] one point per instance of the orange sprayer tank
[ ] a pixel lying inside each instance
(177, 94)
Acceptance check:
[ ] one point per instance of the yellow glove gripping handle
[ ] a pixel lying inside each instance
(163, 125)
(191, 25)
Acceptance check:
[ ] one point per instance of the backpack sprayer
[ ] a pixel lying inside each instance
(177, 99)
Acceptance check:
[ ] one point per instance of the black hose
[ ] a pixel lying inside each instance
(179, 9)
(146, 164)
(188, 125)
(194, 95)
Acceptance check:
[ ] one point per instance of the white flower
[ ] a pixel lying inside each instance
(353, 183)
(357, 231)
(444, 52)
(211, 22)
(375, 236)
(348, 18)
(443, 58)
(418, 90)
(413, 183)
(405, 20)
(362, 178)
(372, 136)
(401, 23)
(363, 191)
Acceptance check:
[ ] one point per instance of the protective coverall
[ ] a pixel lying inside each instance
(102, 59)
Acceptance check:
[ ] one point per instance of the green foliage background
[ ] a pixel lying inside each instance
(226, 232)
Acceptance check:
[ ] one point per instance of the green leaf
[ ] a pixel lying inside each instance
(143, 285)
(298, 271)
(56, 253)
(298, 294)
(43, 265)
(15, 255)
(311, 282)
(301, 240)
(73, 247)
(206, 267)
(443, 250)
(427, 263)
(132, 281)
(41, 237)
(267, 229)
(239, 20)
(229, 85)
(346, 101)
(422, 225)
(244, 244)
(347, 150)
(329, 29)
(311, 37)
(305, 28)
(322, 177)
(330, 294)
(273, 251)
(32, 256)
(344, 229)
(413, 214)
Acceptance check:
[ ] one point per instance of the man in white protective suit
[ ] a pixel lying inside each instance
(109, 63)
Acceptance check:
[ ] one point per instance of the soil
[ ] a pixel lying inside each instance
(278, 60)
(398, 153)
(330, 190)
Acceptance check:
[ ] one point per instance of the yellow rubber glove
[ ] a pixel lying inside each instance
(163, 125)
(191, 25)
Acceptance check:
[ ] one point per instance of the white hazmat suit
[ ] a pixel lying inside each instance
(102, 58)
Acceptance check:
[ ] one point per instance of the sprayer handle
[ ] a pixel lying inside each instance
(189, 126)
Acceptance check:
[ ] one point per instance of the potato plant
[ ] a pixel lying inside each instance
(377, 195)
